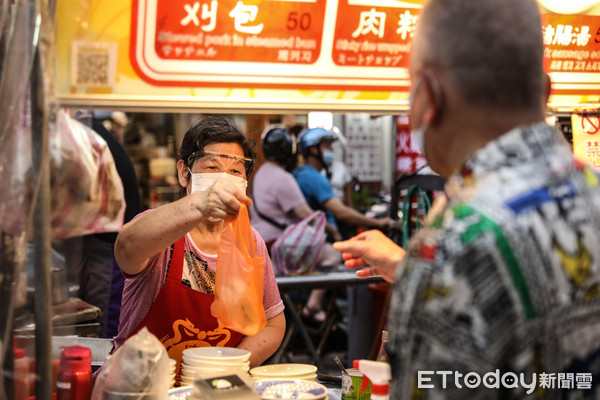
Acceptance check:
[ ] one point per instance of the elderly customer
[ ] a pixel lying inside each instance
(169, 254)
(502, 286)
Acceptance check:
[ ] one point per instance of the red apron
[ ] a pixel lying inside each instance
(180, 316)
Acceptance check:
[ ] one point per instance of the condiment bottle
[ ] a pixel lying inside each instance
(74, 380)
(382, 355)
(21, 367)
(379, 374)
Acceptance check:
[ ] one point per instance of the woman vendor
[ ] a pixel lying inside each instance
(169, 255)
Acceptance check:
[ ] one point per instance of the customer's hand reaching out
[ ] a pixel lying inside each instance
(372, 249)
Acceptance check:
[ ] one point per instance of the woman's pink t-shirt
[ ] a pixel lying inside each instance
(141, 290)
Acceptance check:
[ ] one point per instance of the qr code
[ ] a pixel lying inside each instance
(94, 64)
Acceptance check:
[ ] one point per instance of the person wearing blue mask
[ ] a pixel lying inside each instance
(315, 145)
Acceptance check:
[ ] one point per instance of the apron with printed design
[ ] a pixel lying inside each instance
(180, 316)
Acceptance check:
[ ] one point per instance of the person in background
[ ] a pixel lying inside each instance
(276, 191)
(89, 259)
(341, 179)
(279, 202)
(168, 250)
(504, 277)
(116, 124)
(315, 147)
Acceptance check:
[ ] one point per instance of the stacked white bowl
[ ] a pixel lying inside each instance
(199, 361)
(305, 372)
(172, 365)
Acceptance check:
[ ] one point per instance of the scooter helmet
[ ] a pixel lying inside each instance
(277, 144)
(313, 137)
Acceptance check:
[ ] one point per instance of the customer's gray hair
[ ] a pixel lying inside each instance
(491, 50)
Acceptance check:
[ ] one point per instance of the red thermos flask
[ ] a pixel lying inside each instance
(74, 380)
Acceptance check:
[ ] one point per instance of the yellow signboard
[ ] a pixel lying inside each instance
(271, 55)
(94, 39)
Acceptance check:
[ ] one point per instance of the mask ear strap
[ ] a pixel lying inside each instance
(436, 90)
(433, 92)
(320, 157)
(325, 166)
(188, 181)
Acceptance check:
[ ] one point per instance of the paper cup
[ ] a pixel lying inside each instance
(351, 384)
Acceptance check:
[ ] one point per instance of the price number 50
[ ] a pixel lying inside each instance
(296, 20)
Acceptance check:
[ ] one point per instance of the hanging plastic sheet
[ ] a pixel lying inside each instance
(87, 192)
(18, 27)
(15, 121)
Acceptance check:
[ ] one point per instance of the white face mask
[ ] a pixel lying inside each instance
(203, 180)
(418, 136)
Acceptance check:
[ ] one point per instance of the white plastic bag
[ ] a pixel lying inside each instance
(87, 192)
(138, 370)
(298, 248)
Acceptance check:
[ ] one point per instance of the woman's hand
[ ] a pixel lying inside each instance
(373, 249)
(220, 201)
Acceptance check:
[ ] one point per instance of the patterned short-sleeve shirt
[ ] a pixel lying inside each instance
(503, 283)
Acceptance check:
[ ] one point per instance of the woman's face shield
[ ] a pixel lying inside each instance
(211, 162)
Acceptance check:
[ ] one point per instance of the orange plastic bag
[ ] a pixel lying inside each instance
(238, 303)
